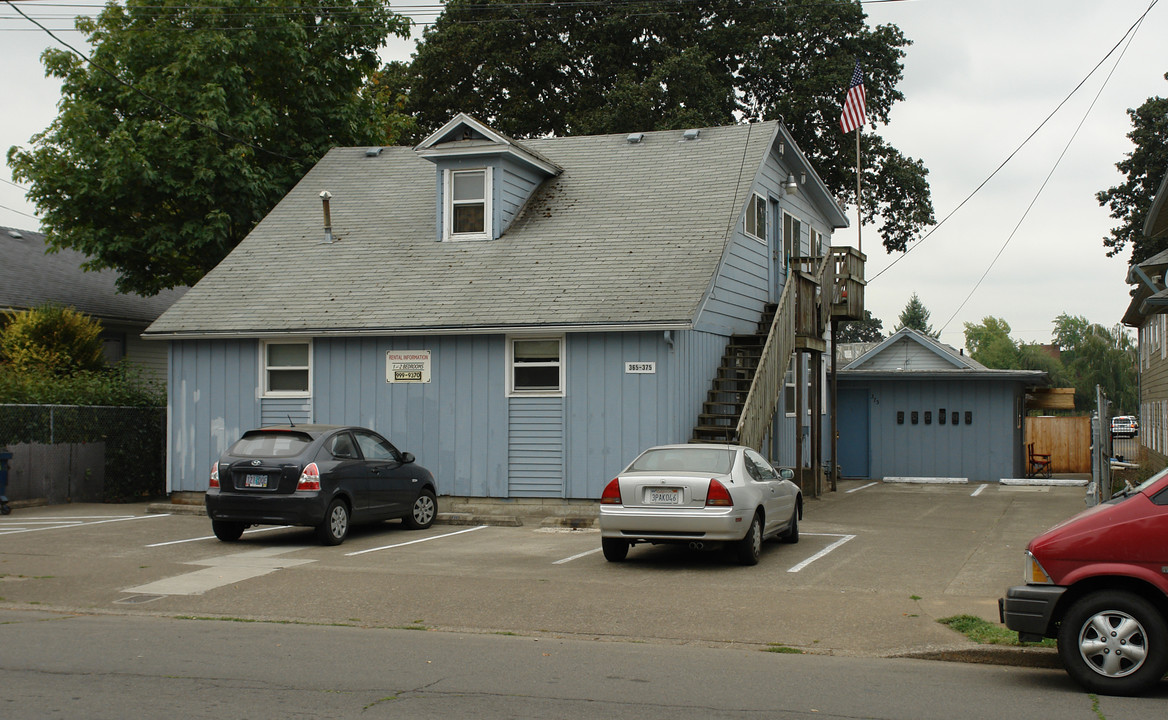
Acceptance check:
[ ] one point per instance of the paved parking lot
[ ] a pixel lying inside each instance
(876, 565)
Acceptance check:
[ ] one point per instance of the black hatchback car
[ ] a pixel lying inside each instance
(322, 476)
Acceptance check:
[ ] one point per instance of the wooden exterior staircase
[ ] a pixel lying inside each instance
(744, 395)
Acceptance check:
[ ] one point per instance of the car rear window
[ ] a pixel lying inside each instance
(270, 443)
(704, 460)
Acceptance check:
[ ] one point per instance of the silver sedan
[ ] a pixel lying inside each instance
(700, 495)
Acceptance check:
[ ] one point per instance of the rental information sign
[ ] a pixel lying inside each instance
(407, 366)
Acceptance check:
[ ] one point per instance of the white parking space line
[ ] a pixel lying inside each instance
(862, 487)
(577, 556)
(414, 542)
(212, 537)
(65, 524)
(977, 492)
(822, 553)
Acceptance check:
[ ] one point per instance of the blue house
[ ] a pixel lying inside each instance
(524, 317)
(915, 407)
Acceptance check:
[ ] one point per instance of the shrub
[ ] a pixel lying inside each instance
(51, 338)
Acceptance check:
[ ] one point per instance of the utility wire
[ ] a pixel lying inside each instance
(151, 98)
(1042, 187)
(1023, 144)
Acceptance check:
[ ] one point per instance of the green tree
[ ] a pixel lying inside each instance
(217, 109)
(1143, 170)
(990, 343)
(916, 316)
(1097, 356)
(52, 339)
(530, 69)
(870, 329)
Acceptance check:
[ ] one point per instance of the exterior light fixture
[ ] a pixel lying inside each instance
(791, 186)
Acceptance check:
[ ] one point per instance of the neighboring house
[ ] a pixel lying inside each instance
(32, 276)
(1147, 313)
(524, 317)
(915, 407)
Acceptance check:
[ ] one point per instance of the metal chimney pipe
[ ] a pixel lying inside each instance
(328, 222)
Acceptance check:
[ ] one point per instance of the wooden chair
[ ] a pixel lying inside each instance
(1038, 463)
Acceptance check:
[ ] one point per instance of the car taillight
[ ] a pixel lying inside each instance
(611, 494)
(309, 479)
(717, 495)
(214, 475)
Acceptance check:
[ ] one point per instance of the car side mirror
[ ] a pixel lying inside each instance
(407, 457)
(787, 473)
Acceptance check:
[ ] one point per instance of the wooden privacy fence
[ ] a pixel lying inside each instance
(1066, 439)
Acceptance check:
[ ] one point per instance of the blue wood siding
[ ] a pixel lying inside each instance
(455, 424)
(461, 425)
(513, 186)
(746, 280)
(612, 415)
(535, 447)
(282, 411)
(213, 399)
(984, 450)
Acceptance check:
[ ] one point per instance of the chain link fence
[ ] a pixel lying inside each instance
(72, 453)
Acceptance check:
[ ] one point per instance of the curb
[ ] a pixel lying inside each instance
(1030, 657)
(453, 518)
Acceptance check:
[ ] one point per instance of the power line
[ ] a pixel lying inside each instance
(1023, 144)
(1050, 174)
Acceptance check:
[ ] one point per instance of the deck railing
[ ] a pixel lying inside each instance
(767, 387)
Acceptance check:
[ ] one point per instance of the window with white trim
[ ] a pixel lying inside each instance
(468, 204)
(755, 218)
(535, 366)
(792, 229)
(287, 367)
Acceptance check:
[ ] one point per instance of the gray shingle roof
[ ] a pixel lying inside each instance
(29, 277)
(628, 234)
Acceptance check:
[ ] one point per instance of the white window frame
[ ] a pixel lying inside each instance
(512, 391)
(792, 246)
(265, 368)
(756, 208)
(448, 204)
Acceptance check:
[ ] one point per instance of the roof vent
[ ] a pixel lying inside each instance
(15, 234)
(691, 134)
(635, 138)
(325, 196)
(372, 152)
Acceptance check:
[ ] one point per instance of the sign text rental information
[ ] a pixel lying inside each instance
(407, 366)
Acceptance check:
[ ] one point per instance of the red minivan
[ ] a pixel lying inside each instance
(1098, 582)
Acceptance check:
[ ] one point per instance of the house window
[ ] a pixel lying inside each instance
(468, 206)
(536, 366)
(756, 218)
(792, 230)
(287, 367)
(818, 247)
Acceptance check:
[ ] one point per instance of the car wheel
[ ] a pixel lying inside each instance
(423, 511)
(1114, 642)
(749, 548)
(227, 531)
(336, 524)
(791, 534)
(615, 550)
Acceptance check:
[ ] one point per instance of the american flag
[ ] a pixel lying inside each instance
(854, 114)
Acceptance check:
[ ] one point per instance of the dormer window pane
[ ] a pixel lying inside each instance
(468, 186)
(468, 218)
(468, 206)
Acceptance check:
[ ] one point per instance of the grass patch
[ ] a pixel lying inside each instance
(988, 633)
(785, 649)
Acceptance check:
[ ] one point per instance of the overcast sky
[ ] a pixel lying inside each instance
(980, 76)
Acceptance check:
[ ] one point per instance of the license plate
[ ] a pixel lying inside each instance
(664, 496)
(255, 481)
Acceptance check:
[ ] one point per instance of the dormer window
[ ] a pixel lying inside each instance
(468, 206)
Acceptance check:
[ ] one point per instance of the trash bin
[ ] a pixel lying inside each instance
(5, 456)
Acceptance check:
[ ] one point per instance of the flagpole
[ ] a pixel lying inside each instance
(859, 205)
